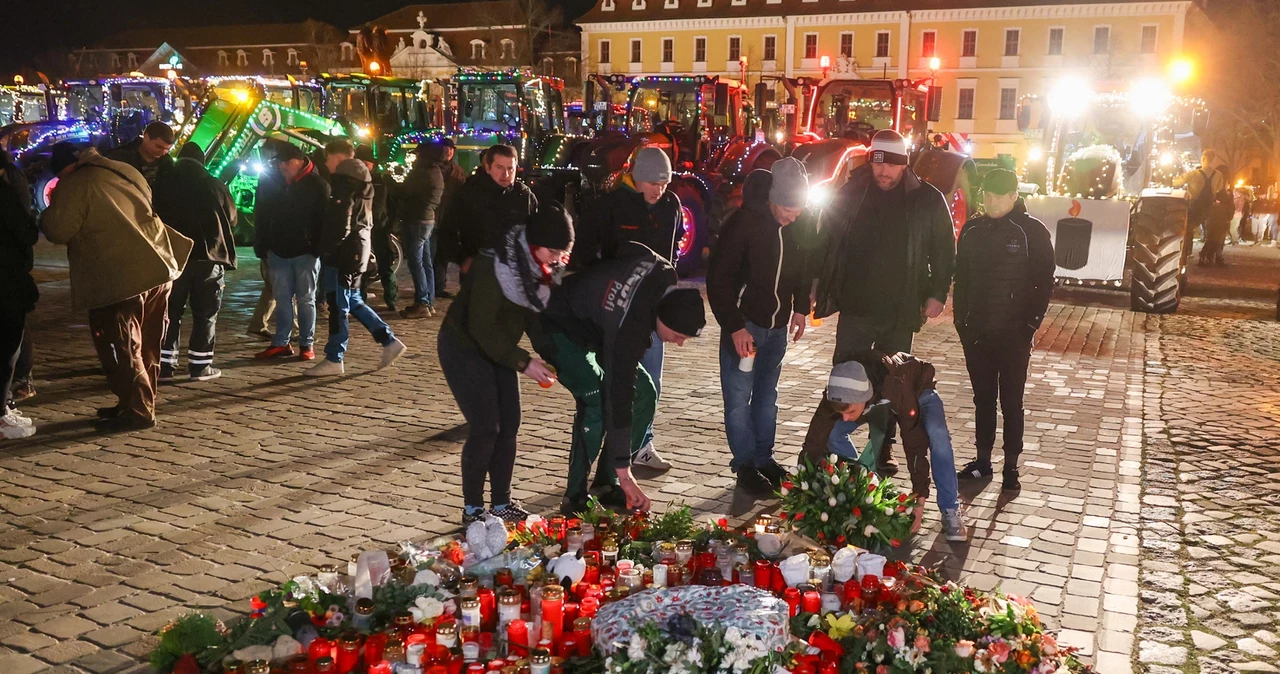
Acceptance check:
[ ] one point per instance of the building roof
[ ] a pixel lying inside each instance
(443, 16)
(304, 32)
(655, 10)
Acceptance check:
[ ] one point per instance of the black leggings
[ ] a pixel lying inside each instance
(489, 397)
(11, 329)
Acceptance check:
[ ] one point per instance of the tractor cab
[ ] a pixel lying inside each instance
(386, 112)
(694, 117)
(24, 103)
(856, 109)
(123, 106)
(516, 108)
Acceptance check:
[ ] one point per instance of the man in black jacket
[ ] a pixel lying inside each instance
(643, 210)
(289, 233)
(454, 177)
(18, 233)
(418, 203)
(1004, 278)
(759, 292)
(201, 208)
(486, 206)
(381, 233)
(149, 153)
(889, 252)
(345, 248)
(597, 327)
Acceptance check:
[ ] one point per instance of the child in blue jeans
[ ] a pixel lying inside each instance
(871, 387)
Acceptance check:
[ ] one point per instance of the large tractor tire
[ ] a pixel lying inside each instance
(696, 236)
(955, 175)
(1158, 226)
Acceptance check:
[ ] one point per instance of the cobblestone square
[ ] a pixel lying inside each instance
(1147, 530)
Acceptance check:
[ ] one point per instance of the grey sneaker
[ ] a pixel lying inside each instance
(953, 526)
(650, 458)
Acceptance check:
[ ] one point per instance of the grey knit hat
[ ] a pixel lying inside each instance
(651, 166)
(790, 187)
(848, 384)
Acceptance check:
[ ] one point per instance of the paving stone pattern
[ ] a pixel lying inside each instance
(264, 474)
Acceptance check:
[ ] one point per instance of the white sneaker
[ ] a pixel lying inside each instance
(17, 418)
(326, 368)
(953, 526)
(392, 352)
(650, 458)
(12, 430)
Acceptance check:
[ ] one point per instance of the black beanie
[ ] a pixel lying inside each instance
(64, 154)
(682, 310)
(550, 227)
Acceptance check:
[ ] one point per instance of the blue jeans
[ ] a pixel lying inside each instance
(420, 256)
(345, 301)
(651, 361)
(941, 456)
(751, 398)
(294, 278)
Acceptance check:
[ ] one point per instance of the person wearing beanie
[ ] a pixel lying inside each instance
(875, 388)
(888, 253)
(759, 292)
(123, 260)
(454, 177)
(191, 200)
(481, 357)
(643, 210)
(1004, 279)
(345, 247)
(595, 333)
(418, 209)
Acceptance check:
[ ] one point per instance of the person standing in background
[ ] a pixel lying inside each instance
(418, 204)
(454, 177)
(380, 236)
(18, 234)
(149, 153)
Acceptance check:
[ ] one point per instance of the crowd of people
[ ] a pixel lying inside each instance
(597, 296)
(1220, 213)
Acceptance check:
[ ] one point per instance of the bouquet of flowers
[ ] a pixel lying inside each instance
(683, 645)
(838, 503)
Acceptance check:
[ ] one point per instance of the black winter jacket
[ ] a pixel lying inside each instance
(757, 271)
(624, 215)
(420, 193)
(611, 308)
(1004, 276)
(129, 154)
(288, 218)
(189, 199)
(345, 242)
(18, 233)
(481, 215)
(930, 246)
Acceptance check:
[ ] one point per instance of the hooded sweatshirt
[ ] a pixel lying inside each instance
(624, 215)
(348, 221)
(423, 188)
(199, 206)
(757, 272)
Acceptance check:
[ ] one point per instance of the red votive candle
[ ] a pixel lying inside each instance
(518, 637)
(380, 667)
(763, 573)
(811, 602)
(792, 597)
(319, 648)
(488, 608)
(374, 645)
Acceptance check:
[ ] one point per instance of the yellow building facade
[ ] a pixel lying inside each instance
(992, 54)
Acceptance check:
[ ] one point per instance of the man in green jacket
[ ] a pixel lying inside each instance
(890, 252)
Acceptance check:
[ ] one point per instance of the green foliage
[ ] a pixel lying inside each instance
(192, 634)
(843, 503)
(247, 632)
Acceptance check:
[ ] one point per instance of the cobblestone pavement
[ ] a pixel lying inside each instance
(263, 474)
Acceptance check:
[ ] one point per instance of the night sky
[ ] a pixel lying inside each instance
(67, 24)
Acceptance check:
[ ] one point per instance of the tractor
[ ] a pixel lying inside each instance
(1108, 170)
(704, 123)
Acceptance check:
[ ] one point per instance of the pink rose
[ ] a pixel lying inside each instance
(897, 638)
(922, 643)
(1048, 645)
(964, 648)
(999, 651)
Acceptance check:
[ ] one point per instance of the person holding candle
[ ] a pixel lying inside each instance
(480, 353)
(874, 388)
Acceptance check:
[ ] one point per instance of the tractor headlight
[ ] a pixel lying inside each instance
(819, 195)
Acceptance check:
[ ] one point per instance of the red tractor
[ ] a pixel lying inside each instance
(703, 122)
(831, 127)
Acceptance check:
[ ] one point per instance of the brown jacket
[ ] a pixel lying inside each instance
(898, 379)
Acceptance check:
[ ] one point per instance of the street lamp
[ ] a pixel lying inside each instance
(825, 64)
(1181, 70)
(935, 63)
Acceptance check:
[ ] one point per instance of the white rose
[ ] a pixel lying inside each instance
(426, 608)
(804, 486)
(832, 458)
(835, 479)
(831, 501)
(785, 491)
(888, 510)
(869, 530)
(824, 517)
(869, 499)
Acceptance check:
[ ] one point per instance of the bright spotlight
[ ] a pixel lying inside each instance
(935, 63)
(1069, 96)
(1166, 159)
(1035, 154)
(779, 136)
(1149, 97)
(819, 195)
(1182, 70)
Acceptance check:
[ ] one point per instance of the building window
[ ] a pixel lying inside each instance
(1149, 35)
(548, 66)
(268, 58)
(969, 45)
(1012, 41)
(477, 49)
(1008, 103)
(133, 60)
(811, 45)
(770, 48)
(637, 4)
(242, 58)
(348, 51)
(929, 44)
(882, 44)
(704, 3)
(293, 56)
(699, 50)
(1055, 41)
(508, 49)
(846, 45)
(735, 48)
(222, 58)
(115, 61)
(668, 49)
(607, 6)
(965, 108)
(1102, 39)
(635, 50)
(571, 66)
(671, 4)
(605, 55)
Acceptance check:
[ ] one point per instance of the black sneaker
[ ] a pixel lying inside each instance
(206, 373)
(474, 516)
(752, 482)
(613, 498)
(166, 372)
(444, 295)
(1010, 482)
(774, 473)
(975, 470)
(124, 423)
(511, 512)
(572, 507)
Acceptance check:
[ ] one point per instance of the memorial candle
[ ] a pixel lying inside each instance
(348, 652)
(320, 648)
(792, 597)
(518, 637)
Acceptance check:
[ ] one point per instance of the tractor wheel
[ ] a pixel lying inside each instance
(694, 239)
(44, 185)
(954, 175)
(1158, 228)
(961, 201)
